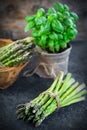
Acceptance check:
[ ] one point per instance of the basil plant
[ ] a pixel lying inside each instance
(53, 29)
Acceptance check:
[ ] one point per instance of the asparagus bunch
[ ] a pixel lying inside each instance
(18, 52)
(24, 41)
(61, 93)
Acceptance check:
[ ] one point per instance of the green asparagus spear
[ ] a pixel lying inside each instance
(67, 92)
(21, 59)
(10, 52)
(59, 82)
(25, 41)
(72, 98)
(51, 89)
(18, 53)
(38, 100)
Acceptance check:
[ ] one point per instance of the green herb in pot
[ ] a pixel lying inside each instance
(57, 25)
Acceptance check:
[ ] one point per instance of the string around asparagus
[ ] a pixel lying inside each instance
(62, 92)
(55, 96)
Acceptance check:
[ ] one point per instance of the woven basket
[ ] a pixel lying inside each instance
(4, 42)
(8, 75)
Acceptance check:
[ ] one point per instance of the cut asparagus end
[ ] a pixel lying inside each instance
(68, 92)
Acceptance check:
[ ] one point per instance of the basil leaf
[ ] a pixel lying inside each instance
(60, 16)
(40, 21)
(66, 8)
(59, 6)
(44, 29)
(60, 26)
(51, 17)
(69, 22)
(53, 36)
(43, 41)
(60, 37)
(51, 11)
(75, 16)
(65, 36)
(36, 40)
(35, 33)
(29, 18)
(72, 33)
(29, 26)
(51, 45)
(57, 46)
(41, 31)
(66, 14)
(39, 43)
(47, 26)
(57, 26)
(63, 44)
(40, 12)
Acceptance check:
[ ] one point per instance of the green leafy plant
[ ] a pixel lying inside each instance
(52, 30)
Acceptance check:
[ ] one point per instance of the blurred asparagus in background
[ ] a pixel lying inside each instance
(18, 52)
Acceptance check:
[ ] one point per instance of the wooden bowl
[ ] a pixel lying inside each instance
(8, 75)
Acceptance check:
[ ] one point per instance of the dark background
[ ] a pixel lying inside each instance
(73, 117)
(13, 12)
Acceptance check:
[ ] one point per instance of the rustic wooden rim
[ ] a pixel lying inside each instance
(5, 69)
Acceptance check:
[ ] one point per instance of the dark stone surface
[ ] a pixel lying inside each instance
(73, 117)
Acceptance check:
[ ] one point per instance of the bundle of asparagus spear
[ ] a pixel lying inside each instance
(16, 53)
(63, 92)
